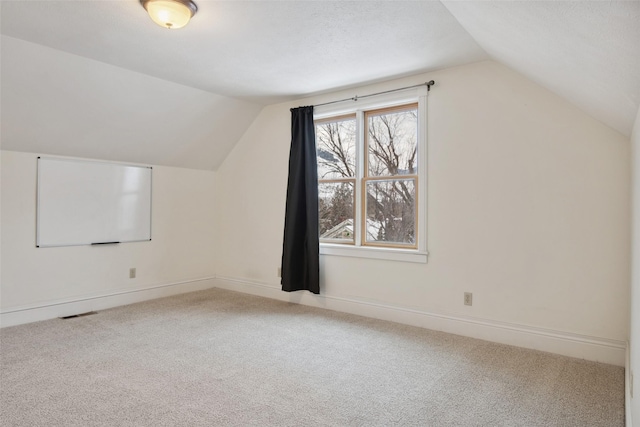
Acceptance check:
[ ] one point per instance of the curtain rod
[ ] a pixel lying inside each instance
(355, 98)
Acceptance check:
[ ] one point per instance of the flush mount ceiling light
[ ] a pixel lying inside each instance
(170, 14)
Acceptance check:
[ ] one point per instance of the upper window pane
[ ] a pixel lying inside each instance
(336, 147)
(392, 141)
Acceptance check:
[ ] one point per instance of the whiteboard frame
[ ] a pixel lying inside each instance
(65, 159)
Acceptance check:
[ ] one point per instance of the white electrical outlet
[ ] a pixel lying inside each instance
(468, 298)
(132, 273)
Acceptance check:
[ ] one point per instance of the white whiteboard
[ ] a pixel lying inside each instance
(84, 202)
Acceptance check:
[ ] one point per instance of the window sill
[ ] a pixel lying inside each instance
(388, 254)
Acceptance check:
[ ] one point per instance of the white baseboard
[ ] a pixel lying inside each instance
(627, 387)
(559, 342)
(51, 310)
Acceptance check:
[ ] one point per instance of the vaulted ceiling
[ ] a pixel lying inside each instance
(99, 79)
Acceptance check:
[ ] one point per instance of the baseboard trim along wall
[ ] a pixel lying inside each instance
(627, 387)
(51, 310)
(559, 342)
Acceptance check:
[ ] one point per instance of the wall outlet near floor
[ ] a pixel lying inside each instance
(279, 271)
(468, 298)
(132, 273)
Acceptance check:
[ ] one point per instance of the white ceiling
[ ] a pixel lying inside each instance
(118, 74)
(264, 51)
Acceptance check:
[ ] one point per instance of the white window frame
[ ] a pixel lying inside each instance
(358, 107)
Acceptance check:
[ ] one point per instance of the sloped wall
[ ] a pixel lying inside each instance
(528, 209)
(55, 102)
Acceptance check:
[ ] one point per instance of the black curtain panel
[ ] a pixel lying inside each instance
(301, 247)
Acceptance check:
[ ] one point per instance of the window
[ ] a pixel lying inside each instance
(336, 151)
(369, 177)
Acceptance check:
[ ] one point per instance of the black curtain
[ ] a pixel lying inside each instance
(301, 246)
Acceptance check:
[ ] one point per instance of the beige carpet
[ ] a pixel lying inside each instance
(219, 358)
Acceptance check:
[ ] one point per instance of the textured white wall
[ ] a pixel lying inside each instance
(182, 243)
(634, 335)
(528, 208)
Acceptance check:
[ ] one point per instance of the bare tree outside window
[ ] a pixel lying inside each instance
(389, 184)
(336, 151)
(391, 155)
(391, 211)
(392, 143)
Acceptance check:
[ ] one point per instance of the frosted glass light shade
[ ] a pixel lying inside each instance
(170, 14)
